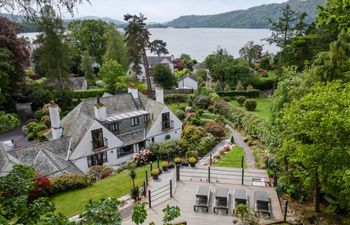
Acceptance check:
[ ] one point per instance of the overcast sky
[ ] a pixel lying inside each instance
(164, 10)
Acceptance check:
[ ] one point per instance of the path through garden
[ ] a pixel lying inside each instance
(239, 140)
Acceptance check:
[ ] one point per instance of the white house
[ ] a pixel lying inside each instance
(154, 60)
(99, 131)
(187, 82)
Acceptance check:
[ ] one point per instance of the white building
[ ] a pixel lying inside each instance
(187, 82)
(99, 131)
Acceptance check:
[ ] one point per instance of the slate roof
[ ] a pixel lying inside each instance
(187, 76)
(153, 107)
(48, 158)
(6, 160)
(199, 66)
(131, 138)
(152, 60)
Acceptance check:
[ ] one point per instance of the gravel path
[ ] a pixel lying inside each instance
(239, 140)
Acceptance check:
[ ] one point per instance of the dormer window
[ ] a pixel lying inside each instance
(134, 121)
(113, 127)
(147, 118)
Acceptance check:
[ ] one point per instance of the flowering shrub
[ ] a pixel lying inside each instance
(41, 188)
(215, 128)
(165, 164)
(155, 172)
(177, 160)
(141, 158)
(226, 148)
(192, 160)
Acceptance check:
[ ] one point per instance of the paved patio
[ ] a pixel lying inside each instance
(184, 198)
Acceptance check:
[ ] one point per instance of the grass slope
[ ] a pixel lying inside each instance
(232, 159)
(263, 108)
(73, 202)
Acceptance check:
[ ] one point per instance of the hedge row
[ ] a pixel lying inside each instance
(82, 94)
(176, 98)
(249, 94)
(264, 84)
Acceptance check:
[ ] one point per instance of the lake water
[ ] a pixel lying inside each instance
(200, 42)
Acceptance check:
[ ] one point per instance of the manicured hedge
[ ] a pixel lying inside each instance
(81, 94)
(249, 94)
(176, 98)
(264, 84)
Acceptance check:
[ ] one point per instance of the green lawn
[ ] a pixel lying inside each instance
(232, 159)
(73, 202)
(173, 107)
(263, 108)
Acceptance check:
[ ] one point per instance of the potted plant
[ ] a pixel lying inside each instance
(165, 166)
(192, 161)
(155, 172)
(177, 160)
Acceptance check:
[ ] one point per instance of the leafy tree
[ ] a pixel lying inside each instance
(162, 75)
(86, 67)
(288, 26)
(8, 121)
(316, 129)
(265, 63)
(225, 69)
(15, 203)
(170, 213)
(158, 47)
(335, 63)
(102, 212)
(88, 35)
(139, 214)
(115, 47)
(29, 8)
(251, 52)
(137, 40)
(111, 73)
(52, 55)
(14, 58)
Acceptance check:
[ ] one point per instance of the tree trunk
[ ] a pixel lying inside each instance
(317, 190)
(60, 76)
(148, 77)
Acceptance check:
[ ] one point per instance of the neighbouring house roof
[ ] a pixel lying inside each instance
(152, 60)
(199, 66)
(77, 83)
(187, 76)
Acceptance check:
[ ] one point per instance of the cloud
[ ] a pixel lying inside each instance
(164, 10)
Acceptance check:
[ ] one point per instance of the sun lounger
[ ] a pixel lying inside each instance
(262, 203)
(202, 198)
(221, 199)
(241, 197)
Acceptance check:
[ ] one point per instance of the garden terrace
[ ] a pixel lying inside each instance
(184, 197)
(263, 109)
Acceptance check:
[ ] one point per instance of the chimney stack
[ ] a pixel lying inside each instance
(56, 128)
(133, 91)
(100, 110)
(159, 94)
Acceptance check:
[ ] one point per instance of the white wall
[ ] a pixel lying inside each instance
(156, 130)
(84, 148)
(188, 83)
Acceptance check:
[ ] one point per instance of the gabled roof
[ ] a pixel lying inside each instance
(188, 76)
(153, 107)
(152, 60)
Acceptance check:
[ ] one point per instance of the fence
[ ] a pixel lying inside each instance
(220, 175)
(162, 193)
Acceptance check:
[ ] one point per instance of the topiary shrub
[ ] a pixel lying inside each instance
(69, 182)
(239, 86)
(240, 100)
(250, 104)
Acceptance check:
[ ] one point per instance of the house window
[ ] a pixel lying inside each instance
(97, 138)
(146, 118)
(134, 121)
(97, 159)
(114, 127)
(152, 139)
(127, 150)
(165, 120)
(167, 137)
